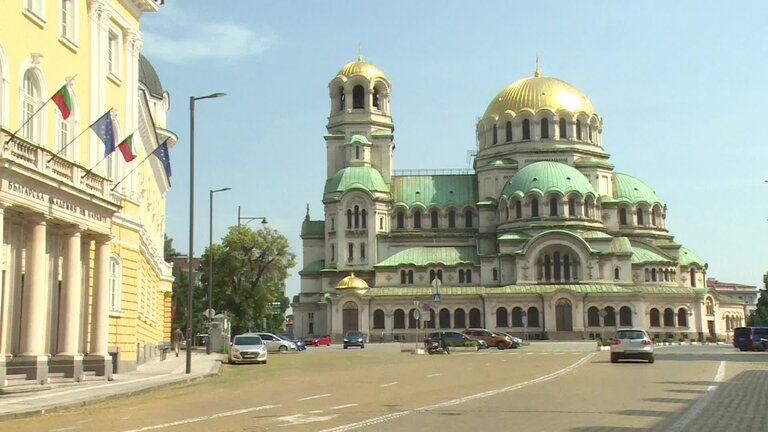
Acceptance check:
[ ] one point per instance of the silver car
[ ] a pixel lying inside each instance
(247, 348)
(275, 343)
(631, 344)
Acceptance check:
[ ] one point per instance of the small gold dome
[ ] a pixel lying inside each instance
(361, 67)
(539, 92)
(352, 282)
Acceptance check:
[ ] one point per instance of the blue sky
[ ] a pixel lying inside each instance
(681, 87)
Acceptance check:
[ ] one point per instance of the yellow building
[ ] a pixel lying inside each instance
(84, 289)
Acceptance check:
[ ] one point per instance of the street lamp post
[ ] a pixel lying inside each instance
(249, 219)
(192, 100)
(210, 264)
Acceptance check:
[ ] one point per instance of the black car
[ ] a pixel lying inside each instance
(354, 338)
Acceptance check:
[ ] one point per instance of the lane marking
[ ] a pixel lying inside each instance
(202, 418)
(388, 417)
(297, 419)
(433, 375)
(699, 405)
(343, 406)
(388, 384)
(315, 397)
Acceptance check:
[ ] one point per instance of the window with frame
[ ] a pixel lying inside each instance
(622, 216)
(30, 101)
(508, 130)
(358, 97)
(563, 132)
(115, 283)
(434, 218)
(34, 6)
(571, 207)
(553, 206)
(534, 208)
(400, 223)
(578, 130)
(417, 219)
(68, 16)
(362, 250)
(63, 135)
(526, 129)
(113, 54)
(544, 128)
(350, 252)
(452, 219)
(640, 219)
(468, 216)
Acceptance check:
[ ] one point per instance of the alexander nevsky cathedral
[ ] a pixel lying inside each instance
(543, 238)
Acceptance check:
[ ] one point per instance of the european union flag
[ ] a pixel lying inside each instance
(105, 132)
(162, 153)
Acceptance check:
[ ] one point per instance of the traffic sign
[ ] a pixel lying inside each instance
(436, 297)
(425, 306)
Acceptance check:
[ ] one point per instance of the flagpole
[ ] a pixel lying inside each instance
(97, 164)
(35, 113)
(131, 171)
(75, 138)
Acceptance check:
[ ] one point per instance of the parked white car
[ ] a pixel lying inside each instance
(247, 348)
(631, 344)
(275, 343)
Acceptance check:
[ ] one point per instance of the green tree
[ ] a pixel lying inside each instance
(179, 290)
(760, 315)
(250, 268)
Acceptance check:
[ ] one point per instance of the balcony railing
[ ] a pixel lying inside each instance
(19, 150)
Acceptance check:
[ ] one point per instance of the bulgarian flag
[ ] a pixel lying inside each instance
(62, 100)
(126, 148)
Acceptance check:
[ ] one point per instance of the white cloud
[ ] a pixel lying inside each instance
(182, 38)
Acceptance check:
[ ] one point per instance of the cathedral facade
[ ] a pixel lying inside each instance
(543, 238)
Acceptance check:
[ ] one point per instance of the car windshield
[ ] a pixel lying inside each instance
(630, 335)
(354, 334)
(247, 340)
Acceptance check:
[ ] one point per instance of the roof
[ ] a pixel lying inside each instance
(352, 282)
(424, 256)
(539, 92)
(687, 257)
(363, 68)
(545, 177)
(633, 190)
(643, 255)
(148, 77)
(594, 288)
(313, 267)
(441, 190)
(356, 177)
(590, 162)
(359, 139)
(313, 228)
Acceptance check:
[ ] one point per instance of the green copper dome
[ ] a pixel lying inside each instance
(545, 177)
(631, 189)
(356, 177)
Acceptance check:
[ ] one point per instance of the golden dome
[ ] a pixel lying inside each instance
(361, 67)
(539, 92)
(352, 282)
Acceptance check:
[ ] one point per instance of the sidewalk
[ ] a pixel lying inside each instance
(149, 375)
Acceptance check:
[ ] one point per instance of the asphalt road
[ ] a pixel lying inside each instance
(541, 387)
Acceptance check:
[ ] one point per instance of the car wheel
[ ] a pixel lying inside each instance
(500, 345)
(345, 347)
(651, 359)
(614, 358)
(230, 361)
(362, 346)
(283, 348)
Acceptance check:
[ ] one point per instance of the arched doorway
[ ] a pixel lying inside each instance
(563, 315)
(350, 317)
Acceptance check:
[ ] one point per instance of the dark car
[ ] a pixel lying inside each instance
(354, 338)
(455, 339)
(750, 338)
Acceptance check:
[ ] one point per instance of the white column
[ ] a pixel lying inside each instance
(71, 295)
(5, 291)
(100, 308)
(35, 302)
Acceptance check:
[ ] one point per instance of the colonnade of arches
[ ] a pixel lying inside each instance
(553, 205)
(527, 126)
(458, 318)
(642, 214)
(434, 218)
(373, 96)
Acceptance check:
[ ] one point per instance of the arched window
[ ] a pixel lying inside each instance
(710, 306)
(693, 278)
(563, 133)
(682, 317)
(625, 316)
(474, 318)
(364, 219)
(376, 98)
(518, 209)
(640, 220)
(533, 317)
(468, 216)
(435, 274)
(349, 219)
(412, 321)
(30, 102)
(534, 208)
(362, 250)
(495, 135)
(115, 283)
(593, 317)
(333, 253)
(459, 319)
(622, 216)
(342, 99)
(502, 320)
(452, 219)
(669, 317)
(578, 130)
(403, 277)
(544, 128)
(350, 252)
(378, 319)
(445, 318)
(526, 129)
(616, 273)
(434, 218)
(495, 273)
(400, 220)
(517, 316)
(553, 206)
(653, 216)
(357, 152)
(417, 219)
(357, 217)
(469, 275)
(399, 319)
(589, 128)
(655, 318)
(610, 317)
(587, 208)
(358, 97)
(506, 209)
(571, 207)
(431, 322)
(508, 130)
(410, 277)
(461, 276)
